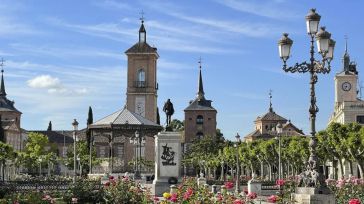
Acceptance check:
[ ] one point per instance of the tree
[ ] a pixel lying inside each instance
(83, 155)
(37, 151)
(6, 153)
(49, 126)
(90, 120)
(354, 143)
(177, 125)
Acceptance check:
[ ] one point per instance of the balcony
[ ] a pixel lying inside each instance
(140, 84)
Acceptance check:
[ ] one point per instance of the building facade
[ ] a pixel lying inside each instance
(10, 118)
(348, 108)
(265, 126)
(114, 136)
(200, 116)
(142, 86)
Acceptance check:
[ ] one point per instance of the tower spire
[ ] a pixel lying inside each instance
(142, 32)
(346, 57)
(270, 101)
(200, 93)
(2, 87)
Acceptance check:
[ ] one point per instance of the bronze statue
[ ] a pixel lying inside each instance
(169, 110)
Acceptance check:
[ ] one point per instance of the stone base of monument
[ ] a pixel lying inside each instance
(255, 186)
(310, 195)
(167, 161)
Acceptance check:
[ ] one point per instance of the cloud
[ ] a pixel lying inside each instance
(10, 27)
(247, 29)
(109, 4)
(261, 8)
(44, 81)
(65, 52)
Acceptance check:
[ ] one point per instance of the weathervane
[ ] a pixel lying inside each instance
(142, 14)
(200, 62)
(2, 64)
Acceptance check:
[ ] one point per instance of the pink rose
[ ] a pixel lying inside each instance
(173, 197)
(229, 185)
(354, 201)
(238, 201)
(252, 195)
(280, 182)
(272, 199)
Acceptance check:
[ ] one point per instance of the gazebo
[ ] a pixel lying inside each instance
(122, 137)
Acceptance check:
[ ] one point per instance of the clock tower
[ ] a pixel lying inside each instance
(142, 86)
(346, 81)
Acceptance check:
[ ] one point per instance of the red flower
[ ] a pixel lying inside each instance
(354, 201)
(229, 185)
(173, 197)
(272, 199)
(252, 195)
(219, 197)
(107, 184)
(245, 190)
(238, 201)
(280, 182)
(111, 177)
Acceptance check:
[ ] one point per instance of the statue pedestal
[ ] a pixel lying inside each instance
(255, 186)
(167, 161)
(310, 195)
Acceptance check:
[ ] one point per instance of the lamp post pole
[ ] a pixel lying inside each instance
(75, 127)
(279, 134)
(325, 46)
(40, 166)
(237, 144)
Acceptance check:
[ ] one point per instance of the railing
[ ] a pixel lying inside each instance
(20, 186)
(140, 84)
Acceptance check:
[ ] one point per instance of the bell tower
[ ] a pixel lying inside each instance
(142, 86)
(346, 81)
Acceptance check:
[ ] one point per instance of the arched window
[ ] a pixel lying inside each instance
(199, 119)
(199, 135)
(141, 78)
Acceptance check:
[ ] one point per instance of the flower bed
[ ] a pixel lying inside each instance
(349, 190)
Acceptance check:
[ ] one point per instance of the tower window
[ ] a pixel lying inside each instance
(141, 78)
(199, 119)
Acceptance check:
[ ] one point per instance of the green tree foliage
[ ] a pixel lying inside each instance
(6, 153)
(177, 125)
(344, 142)
(38, 150)
(82, 151)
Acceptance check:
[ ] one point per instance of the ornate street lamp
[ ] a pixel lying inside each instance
(326, 48)
(75, 128)
(279, 129)
(236, 145)
(138, 141)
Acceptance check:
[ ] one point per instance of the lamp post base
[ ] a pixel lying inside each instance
(311, 195)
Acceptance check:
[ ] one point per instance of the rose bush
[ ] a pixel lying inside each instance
(347, 190)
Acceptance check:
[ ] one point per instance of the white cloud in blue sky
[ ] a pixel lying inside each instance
(63, 56)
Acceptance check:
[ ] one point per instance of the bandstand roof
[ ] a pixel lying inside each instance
(124, 117)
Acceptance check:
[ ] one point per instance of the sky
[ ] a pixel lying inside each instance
(63, 56)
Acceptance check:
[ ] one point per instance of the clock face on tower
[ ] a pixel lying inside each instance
(346, 86)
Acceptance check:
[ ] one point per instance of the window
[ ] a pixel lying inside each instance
(199, 119)
(141, 78)
(360, 119)
(199, 135)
